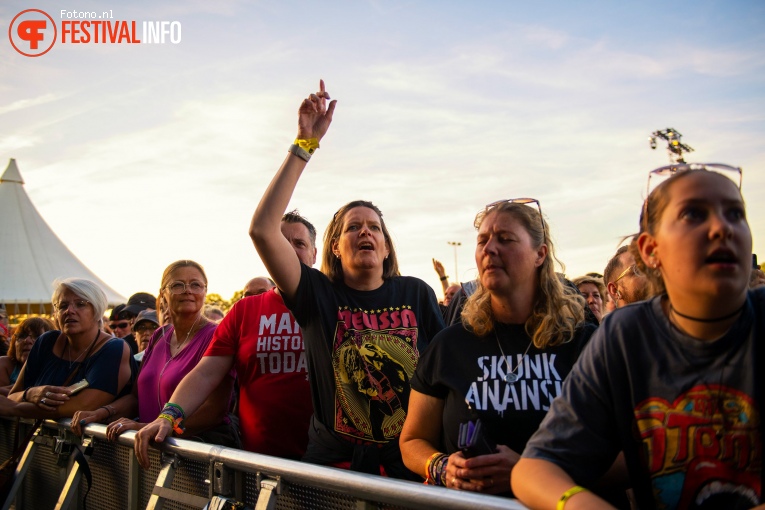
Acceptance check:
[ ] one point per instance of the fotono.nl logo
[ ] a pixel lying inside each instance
(34, 32)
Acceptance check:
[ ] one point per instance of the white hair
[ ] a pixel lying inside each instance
(85, 289)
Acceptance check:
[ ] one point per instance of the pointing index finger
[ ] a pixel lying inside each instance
(322, 90)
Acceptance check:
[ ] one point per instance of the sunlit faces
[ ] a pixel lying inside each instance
(594, 299)
(121, 327)
(187, 301)
(72, 315)
(300, 239)
(24, 343)
(505, 256)
(257, 286)
(362, 244)
(451, 290)
(631, 287)
(702, 245)
(142, 332)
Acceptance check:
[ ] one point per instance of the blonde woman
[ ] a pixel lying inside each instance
(522, 331)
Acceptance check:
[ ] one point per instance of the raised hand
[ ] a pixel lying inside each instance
(314, 116)
(439, 267)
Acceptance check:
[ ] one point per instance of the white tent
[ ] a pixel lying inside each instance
(31, 255)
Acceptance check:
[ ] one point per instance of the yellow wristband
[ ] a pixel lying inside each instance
(576, 489)
(308, 145)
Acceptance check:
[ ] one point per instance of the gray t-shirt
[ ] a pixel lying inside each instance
(682, 410)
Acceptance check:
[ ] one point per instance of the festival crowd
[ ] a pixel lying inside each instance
(631, 388)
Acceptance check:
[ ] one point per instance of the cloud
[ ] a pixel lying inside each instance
(23, 104)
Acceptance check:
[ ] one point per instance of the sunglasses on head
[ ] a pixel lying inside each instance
(531, 202)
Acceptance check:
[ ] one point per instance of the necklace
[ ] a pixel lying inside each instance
(511, 376)
(697, 319)
(170, 358)
(188, 334)
(69, 350)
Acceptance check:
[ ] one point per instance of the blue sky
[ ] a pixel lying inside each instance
(138, 155)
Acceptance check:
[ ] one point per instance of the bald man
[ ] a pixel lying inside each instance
(258, 285)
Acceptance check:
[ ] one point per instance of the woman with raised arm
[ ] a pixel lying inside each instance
(364, 325)
(673, 382)
(521, 332)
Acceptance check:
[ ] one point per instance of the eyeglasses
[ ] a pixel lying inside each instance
(632, 268)
(79, 304)
(193, 287)
(659, 175)
(23, 338)
(145, 327)
(531, 202)
(119, 325)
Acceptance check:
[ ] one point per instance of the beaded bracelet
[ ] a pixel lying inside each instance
(428, 476)
(437, 468)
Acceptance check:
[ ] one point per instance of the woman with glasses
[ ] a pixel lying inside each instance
(172, 352)
(363, 324)
(79, 351)
(521, 332)
(22, 340)
(673, 381)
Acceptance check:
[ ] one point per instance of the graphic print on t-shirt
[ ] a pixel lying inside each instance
(539, 382)
(374, 357)
(702, 450)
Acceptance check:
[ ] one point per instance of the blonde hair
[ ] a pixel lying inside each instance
(558, 309)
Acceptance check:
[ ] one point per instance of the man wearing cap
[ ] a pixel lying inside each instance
(122, 317)
(144, 325)
(260, 337)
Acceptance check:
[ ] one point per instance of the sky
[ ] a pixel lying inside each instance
(138, 155)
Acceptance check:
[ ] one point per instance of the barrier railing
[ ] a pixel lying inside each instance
(187, 475)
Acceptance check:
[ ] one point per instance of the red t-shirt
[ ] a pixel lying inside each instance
(275, 399)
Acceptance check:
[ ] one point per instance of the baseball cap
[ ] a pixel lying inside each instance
(146, 315)
(139, 302)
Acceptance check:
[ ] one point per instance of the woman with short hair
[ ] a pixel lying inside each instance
(521, 332)
(80, 351)
(673, 382)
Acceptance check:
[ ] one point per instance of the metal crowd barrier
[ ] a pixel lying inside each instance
(187, 475)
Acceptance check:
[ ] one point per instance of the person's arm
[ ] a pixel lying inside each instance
(441, 272)
(213, 409)
(540, 484)
(191, 393)
(57, 402)
(421, 432)
(314, 118)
